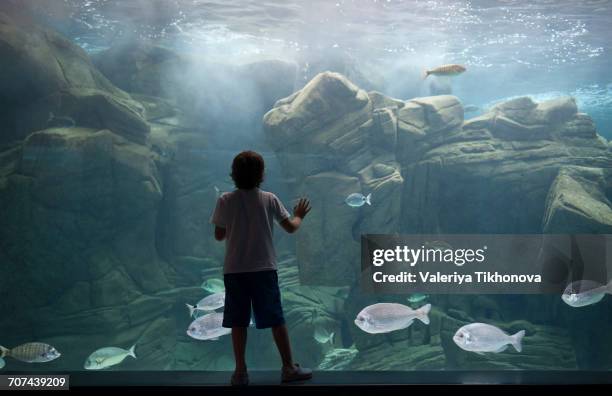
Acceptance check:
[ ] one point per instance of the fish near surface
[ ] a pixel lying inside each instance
(387, 317)
(108, 357)
(482, 337)
(31, 352)
(450, 70)
(585, 292)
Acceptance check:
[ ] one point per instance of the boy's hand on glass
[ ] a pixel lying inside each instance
(302, 208)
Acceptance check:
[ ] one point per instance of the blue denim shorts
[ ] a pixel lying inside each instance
(257, 289)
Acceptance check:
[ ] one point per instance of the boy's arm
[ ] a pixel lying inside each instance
(300, 211)
(218, 219)
(219, 233)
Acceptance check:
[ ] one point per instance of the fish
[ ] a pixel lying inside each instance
(31, 352)
(356, 200)
(445, 70)
(322, 335)
(482, 337)
(208, 303)
(416, 297)
(471, 108)
(213, 285)
(59, 121)
(585, 292)
(107, 357)
(387, 317)
(217, 192)
(2, 363)
(208, 327)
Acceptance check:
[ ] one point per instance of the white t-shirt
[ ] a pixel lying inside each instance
(247, 216)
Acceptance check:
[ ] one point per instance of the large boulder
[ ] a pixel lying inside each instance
(329, 100)
(334, 142)
(463, 178)
(50, 77)
(79, 246)
(141, 67)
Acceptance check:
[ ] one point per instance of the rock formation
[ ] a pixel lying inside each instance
(522, 167)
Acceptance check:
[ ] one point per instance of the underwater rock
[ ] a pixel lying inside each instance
(140, 67)
(329, 137)
(320, 260)
(577, 202)
(89, 108)
(43, 62)
(338, 359)
(48, 73)
(412, 357)
(380, 100)
(508, 167)
(307, 308)
(91, 259)
(384, 181)
(185, 236)
(329, 100)
(440, 113)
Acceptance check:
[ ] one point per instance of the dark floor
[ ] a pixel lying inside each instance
(337, 378)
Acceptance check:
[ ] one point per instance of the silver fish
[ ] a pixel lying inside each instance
(31, 352)
(482, 337)
(208, 303)
(585, 292)
(208, 327)
(356, 200)
(2, 363)
(107, 357)
(387, 317)
(322, 335)
(213, 285)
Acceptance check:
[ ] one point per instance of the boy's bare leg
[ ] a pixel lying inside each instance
(281, 338)
(239, 339)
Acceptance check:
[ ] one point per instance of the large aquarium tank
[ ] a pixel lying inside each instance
(119, 121)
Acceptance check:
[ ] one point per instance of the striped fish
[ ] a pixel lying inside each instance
(32, 352)
(445, 70)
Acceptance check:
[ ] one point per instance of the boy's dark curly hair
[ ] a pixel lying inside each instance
(248, 170)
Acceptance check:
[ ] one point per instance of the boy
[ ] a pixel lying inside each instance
(244, 219)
